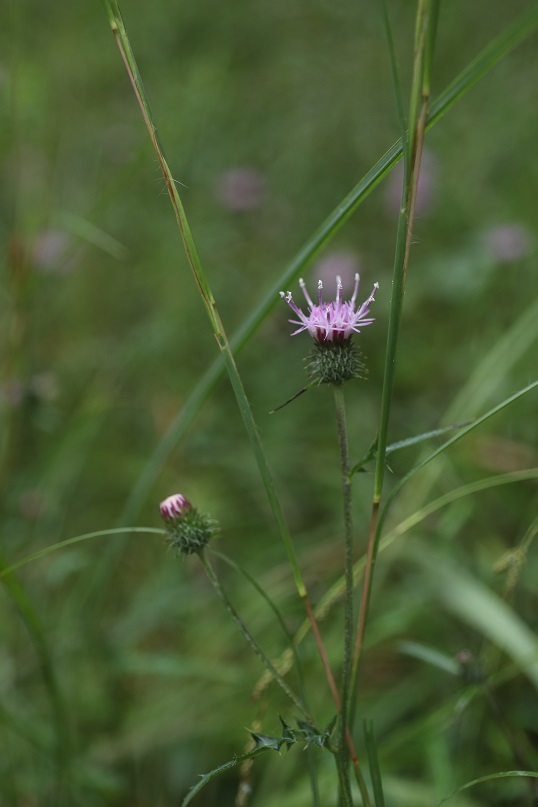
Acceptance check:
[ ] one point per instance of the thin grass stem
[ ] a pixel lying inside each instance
(418, 108)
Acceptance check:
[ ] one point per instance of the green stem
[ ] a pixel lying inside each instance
(346, 799)
(348, 567)
(267, 663)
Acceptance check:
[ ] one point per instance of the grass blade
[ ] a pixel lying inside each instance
(489, 778)
(375, 771)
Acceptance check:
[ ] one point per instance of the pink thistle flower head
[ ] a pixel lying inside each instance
(174, 507)
(335, 321)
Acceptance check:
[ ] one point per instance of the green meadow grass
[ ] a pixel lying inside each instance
(122, 677)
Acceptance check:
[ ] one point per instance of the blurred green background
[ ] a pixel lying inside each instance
(117, 660)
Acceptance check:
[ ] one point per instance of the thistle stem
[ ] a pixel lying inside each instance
(348, 566)
(267, 663)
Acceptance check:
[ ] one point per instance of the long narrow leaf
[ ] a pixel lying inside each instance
(77, 540)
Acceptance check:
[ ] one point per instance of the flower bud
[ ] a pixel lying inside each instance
(188, 530)
(174, 506)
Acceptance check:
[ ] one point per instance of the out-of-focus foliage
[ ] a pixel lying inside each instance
(126, 677)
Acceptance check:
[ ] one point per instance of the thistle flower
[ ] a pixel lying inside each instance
(331, 322)
(335, 358)
(188, 530)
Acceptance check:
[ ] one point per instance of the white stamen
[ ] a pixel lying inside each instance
(355, 290)
(306, 294)
(338, 289)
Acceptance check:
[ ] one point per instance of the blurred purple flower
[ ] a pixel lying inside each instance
(12, 392)
(508, 243)
(49, 251)
(331, 322)
(241, 189)
(44, 386)
(426, 190)
(32, 504)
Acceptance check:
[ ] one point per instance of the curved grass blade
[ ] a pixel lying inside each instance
(76, 540)
(489, 778)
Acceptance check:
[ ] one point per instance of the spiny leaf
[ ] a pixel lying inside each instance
(265, 743)
(313, 736)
